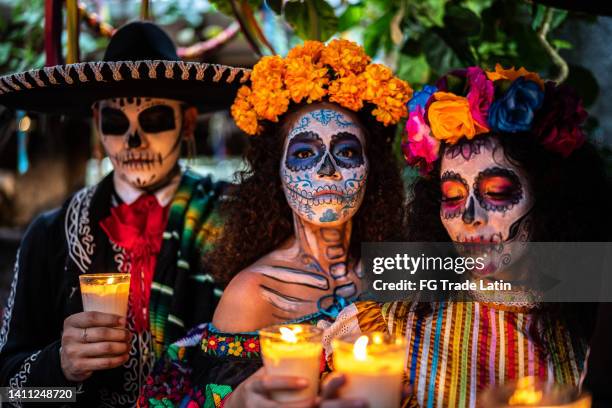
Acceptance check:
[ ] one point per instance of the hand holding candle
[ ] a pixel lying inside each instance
(373, 365)
(293, 350)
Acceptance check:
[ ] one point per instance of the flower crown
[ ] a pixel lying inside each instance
(471, 102)
(339, 72)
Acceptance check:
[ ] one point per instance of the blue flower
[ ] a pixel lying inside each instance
(514, 112)
(421, 97)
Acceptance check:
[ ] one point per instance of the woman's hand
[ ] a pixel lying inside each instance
(255, 392)
(330, 394)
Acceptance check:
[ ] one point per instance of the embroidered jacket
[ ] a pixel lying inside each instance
(62, 244)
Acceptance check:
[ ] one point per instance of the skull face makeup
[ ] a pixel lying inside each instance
(486, 199)
(324, 167)
(142, 137)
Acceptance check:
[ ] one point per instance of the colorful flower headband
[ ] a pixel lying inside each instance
(470, 102)
(339, 72)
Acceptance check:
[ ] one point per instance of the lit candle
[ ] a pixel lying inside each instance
(293, 350)
(105, 292)
(531, 392)
(373, 365)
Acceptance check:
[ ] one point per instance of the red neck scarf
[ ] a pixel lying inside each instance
(138, 228)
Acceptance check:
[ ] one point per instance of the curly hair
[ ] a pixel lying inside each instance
(572, 202)
(258, 217)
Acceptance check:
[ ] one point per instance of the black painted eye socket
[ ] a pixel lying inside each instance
(347, 150)
(113, 122)
(159, 118)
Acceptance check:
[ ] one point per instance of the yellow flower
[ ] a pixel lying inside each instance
(347, 91)
(243, 112)
(270, 103)
(375, 75)
(345, 57)
(390, 100)
(305, 80)
(311, 49)
(235, 349)
(511, 74)
(268, 73)
(450, 118)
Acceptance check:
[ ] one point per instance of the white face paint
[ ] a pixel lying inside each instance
(324, 167)
(485, 201)
(142, 137)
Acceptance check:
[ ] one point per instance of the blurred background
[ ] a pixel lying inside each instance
(43, 159)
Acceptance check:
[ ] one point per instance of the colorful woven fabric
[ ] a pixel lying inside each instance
(194, 221)
(459, 348)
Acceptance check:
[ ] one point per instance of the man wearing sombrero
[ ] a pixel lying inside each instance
(148, 218)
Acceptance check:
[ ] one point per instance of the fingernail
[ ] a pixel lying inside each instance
(302, 382)
(122, 321)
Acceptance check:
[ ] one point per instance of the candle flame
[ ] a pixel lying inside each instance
(525, 393)
(110, 280)
(288, 334)
(360, 348)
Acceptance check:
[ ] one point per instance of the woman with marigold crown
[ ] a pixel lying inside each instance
(321, 180)
(504, 162)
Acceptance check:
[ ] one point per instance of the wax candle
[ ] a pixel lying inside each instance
(105, 292)
(532, 392)
(373, 365)
(293, 350)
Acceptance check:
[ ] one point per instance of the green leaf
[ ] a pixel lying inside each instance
(462, 21)
(275, 5)
(438, 54)
(313, 20)
(430, 12)
(376, 35)
(413, 69)
(352, 16)
(562, 44)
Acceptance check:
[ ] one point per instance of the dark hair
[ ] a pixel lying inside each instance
(572, 202)
(258, 217)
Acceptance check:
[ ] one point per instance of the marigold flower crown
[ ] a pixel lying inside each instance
(471, 102)
(338, 72)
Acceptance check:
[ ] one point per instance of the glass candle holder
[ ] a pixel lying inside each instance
(293, 350)
(105, 292)
(374, 367)
(528, 392)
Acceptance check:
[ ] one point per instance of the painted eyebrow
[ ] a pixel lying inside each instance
(496, 171)
(345, 135)
(308, 136)
(451, 175)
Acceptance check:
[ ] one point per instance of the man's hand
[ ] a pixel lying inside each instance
(93, 341)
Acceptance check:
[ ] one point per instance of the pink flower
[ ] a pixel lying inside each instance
(420, 148)
(480, 96)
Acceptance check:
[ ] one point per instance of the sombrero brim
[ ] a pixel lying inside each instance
(73, 88)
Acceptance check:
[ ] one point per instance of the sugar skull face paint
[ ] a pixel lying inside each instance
(141, 136)
(486, 199)
(324, 167)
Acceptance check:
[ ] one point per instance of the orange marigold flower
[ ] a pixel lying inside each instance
(305, 80)
(345, 57)
(375, 75)
(511, 74)
(270, 103)
(243, 113)
(311, 49)
(391, 100)
(347, 91)
(450, 118)
(268, 73)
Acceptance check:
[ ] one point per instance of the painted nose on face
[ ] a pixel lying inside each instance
(134, 140)
(328, 169)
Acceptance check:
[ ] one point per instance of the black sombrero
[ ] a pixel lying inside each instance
(140, 60)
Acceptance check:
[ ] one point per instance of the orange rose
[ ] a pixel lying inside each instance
(511, 74)
(450, 118)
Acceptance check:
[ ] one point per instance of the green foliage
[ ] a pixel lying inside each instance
(21, 36)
